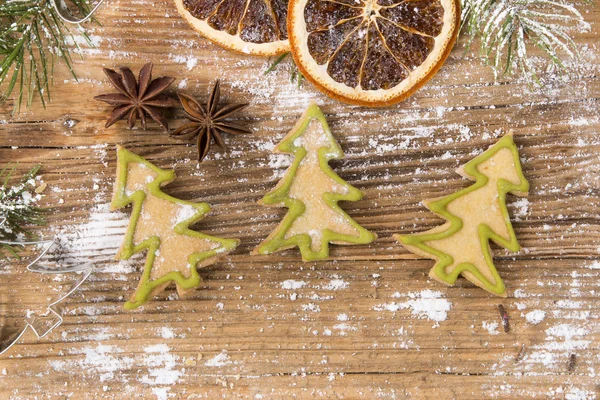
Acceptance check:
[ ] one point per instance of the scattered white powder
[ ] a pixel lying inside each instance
(161, 393)
(26, 197)
(336, 284)
(161, 365)
(566, 331)
(580, 394)
(521, 207)
(429, 304)
(190, 61)
(535, 317)
(96, 335)
(94, 240)
(219, 360)
(381, 148)
(100, 361)
(291, 284)
(315, 235)
(446, 156)
(108, 362)
(492, 327)
(311, 307)
(561, 341)
(167, 333)
(184, 213)
(278, 163)
(520, 293)
(569, 304)
(520, 306)
(425, 304)
(83, 41)
(594, 265)
(342, 317)
(344, 328)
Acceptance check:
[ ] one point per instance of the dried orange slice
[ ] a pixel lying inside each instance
(371, 52)
(248, 26)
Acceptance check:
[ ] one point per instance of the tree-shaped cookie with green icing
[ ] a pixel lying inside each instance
(474, 216)
(159, 225)
(311, 191)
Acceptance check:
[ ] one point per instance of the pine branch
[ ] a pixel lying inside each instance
(17, 209)
(295, 74)
(32, 37)
(506, 30)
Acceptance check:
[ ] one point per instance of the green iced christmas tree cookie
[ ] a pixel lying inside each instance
(311, 191)
(160, 224)
(475, 216)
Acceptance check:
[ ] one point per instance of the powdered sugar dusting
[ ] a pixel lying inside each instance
(427, 304)
(535, 317)
(219, 360)
(292, 284)
(491, 327)
(108, 363)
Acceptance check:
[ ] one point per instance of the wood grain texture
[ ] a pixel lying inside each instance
(243, 334)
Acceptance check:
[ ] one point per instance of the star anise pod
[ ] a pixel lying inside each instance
(138, 99)
(208, 123)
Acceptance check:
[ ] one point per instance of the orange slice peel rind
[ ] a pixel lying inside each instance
(371, 52)
(255, 27)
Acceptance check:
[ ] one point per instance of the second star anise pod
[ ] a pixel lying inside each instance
(208, 123)
(138, 99)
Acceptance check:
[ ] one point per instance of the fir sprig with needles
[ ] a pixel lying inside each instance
(18, 210)
(506, 30)
(295, 74)
(32, 37)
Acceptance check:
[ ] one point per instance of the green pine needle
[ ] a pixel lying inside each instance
(276, 63)
(32, 37)
(507, 28)
(17, 208)
(295, 74)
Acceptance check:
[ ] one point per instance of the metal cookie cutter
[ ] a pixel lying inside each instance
(36, 324)
(65, 14)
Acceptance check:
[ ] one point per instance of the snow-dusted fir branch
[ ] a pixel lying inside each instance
(18, 208)
(507, 29)
(32, 37)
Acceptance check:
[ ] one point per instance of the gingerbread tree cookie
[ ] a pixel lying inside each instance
(311, 191)
(160, 224)
(475, 216)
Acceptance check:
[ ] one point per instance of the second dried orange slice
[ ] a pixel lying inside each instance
(248, 26)
(371, 52)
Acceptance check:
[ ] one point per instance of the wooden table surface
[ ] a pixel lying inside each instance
(368, 323)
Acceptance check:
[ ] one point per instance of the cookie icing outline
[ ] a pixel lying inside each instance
(276, 241)
(128, 248)
(416, 243)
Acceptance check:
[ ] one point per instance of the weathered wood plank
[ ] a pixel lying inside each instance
(368, 323)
